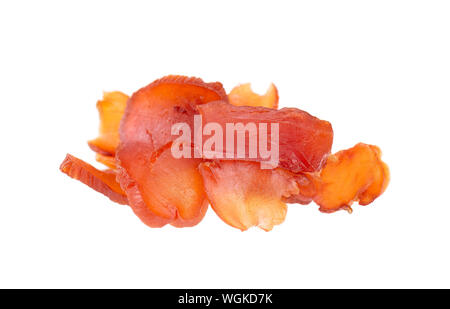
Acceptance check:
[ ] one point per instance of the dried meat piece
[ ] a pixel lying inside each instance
(157, 184)
(101, 181)
(168, 188)
(243, 195)
(352, 175)
(164, 190)
(110, 109)
(243, 95)
(304, 140)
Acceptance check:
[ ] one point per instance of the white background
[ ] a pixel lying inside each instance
(379, 71)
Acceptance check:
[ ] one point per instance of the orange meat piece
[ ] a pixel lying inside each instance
(101, 181)
(304, 140)
(243, 195)
(110, 109)
(160, 188)
(243, 95)
(352, 175)
(109, 161)
(168, 188)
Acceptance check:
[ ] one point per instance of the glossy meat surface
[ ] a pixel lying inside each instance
(243, 195)
(304, 140)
